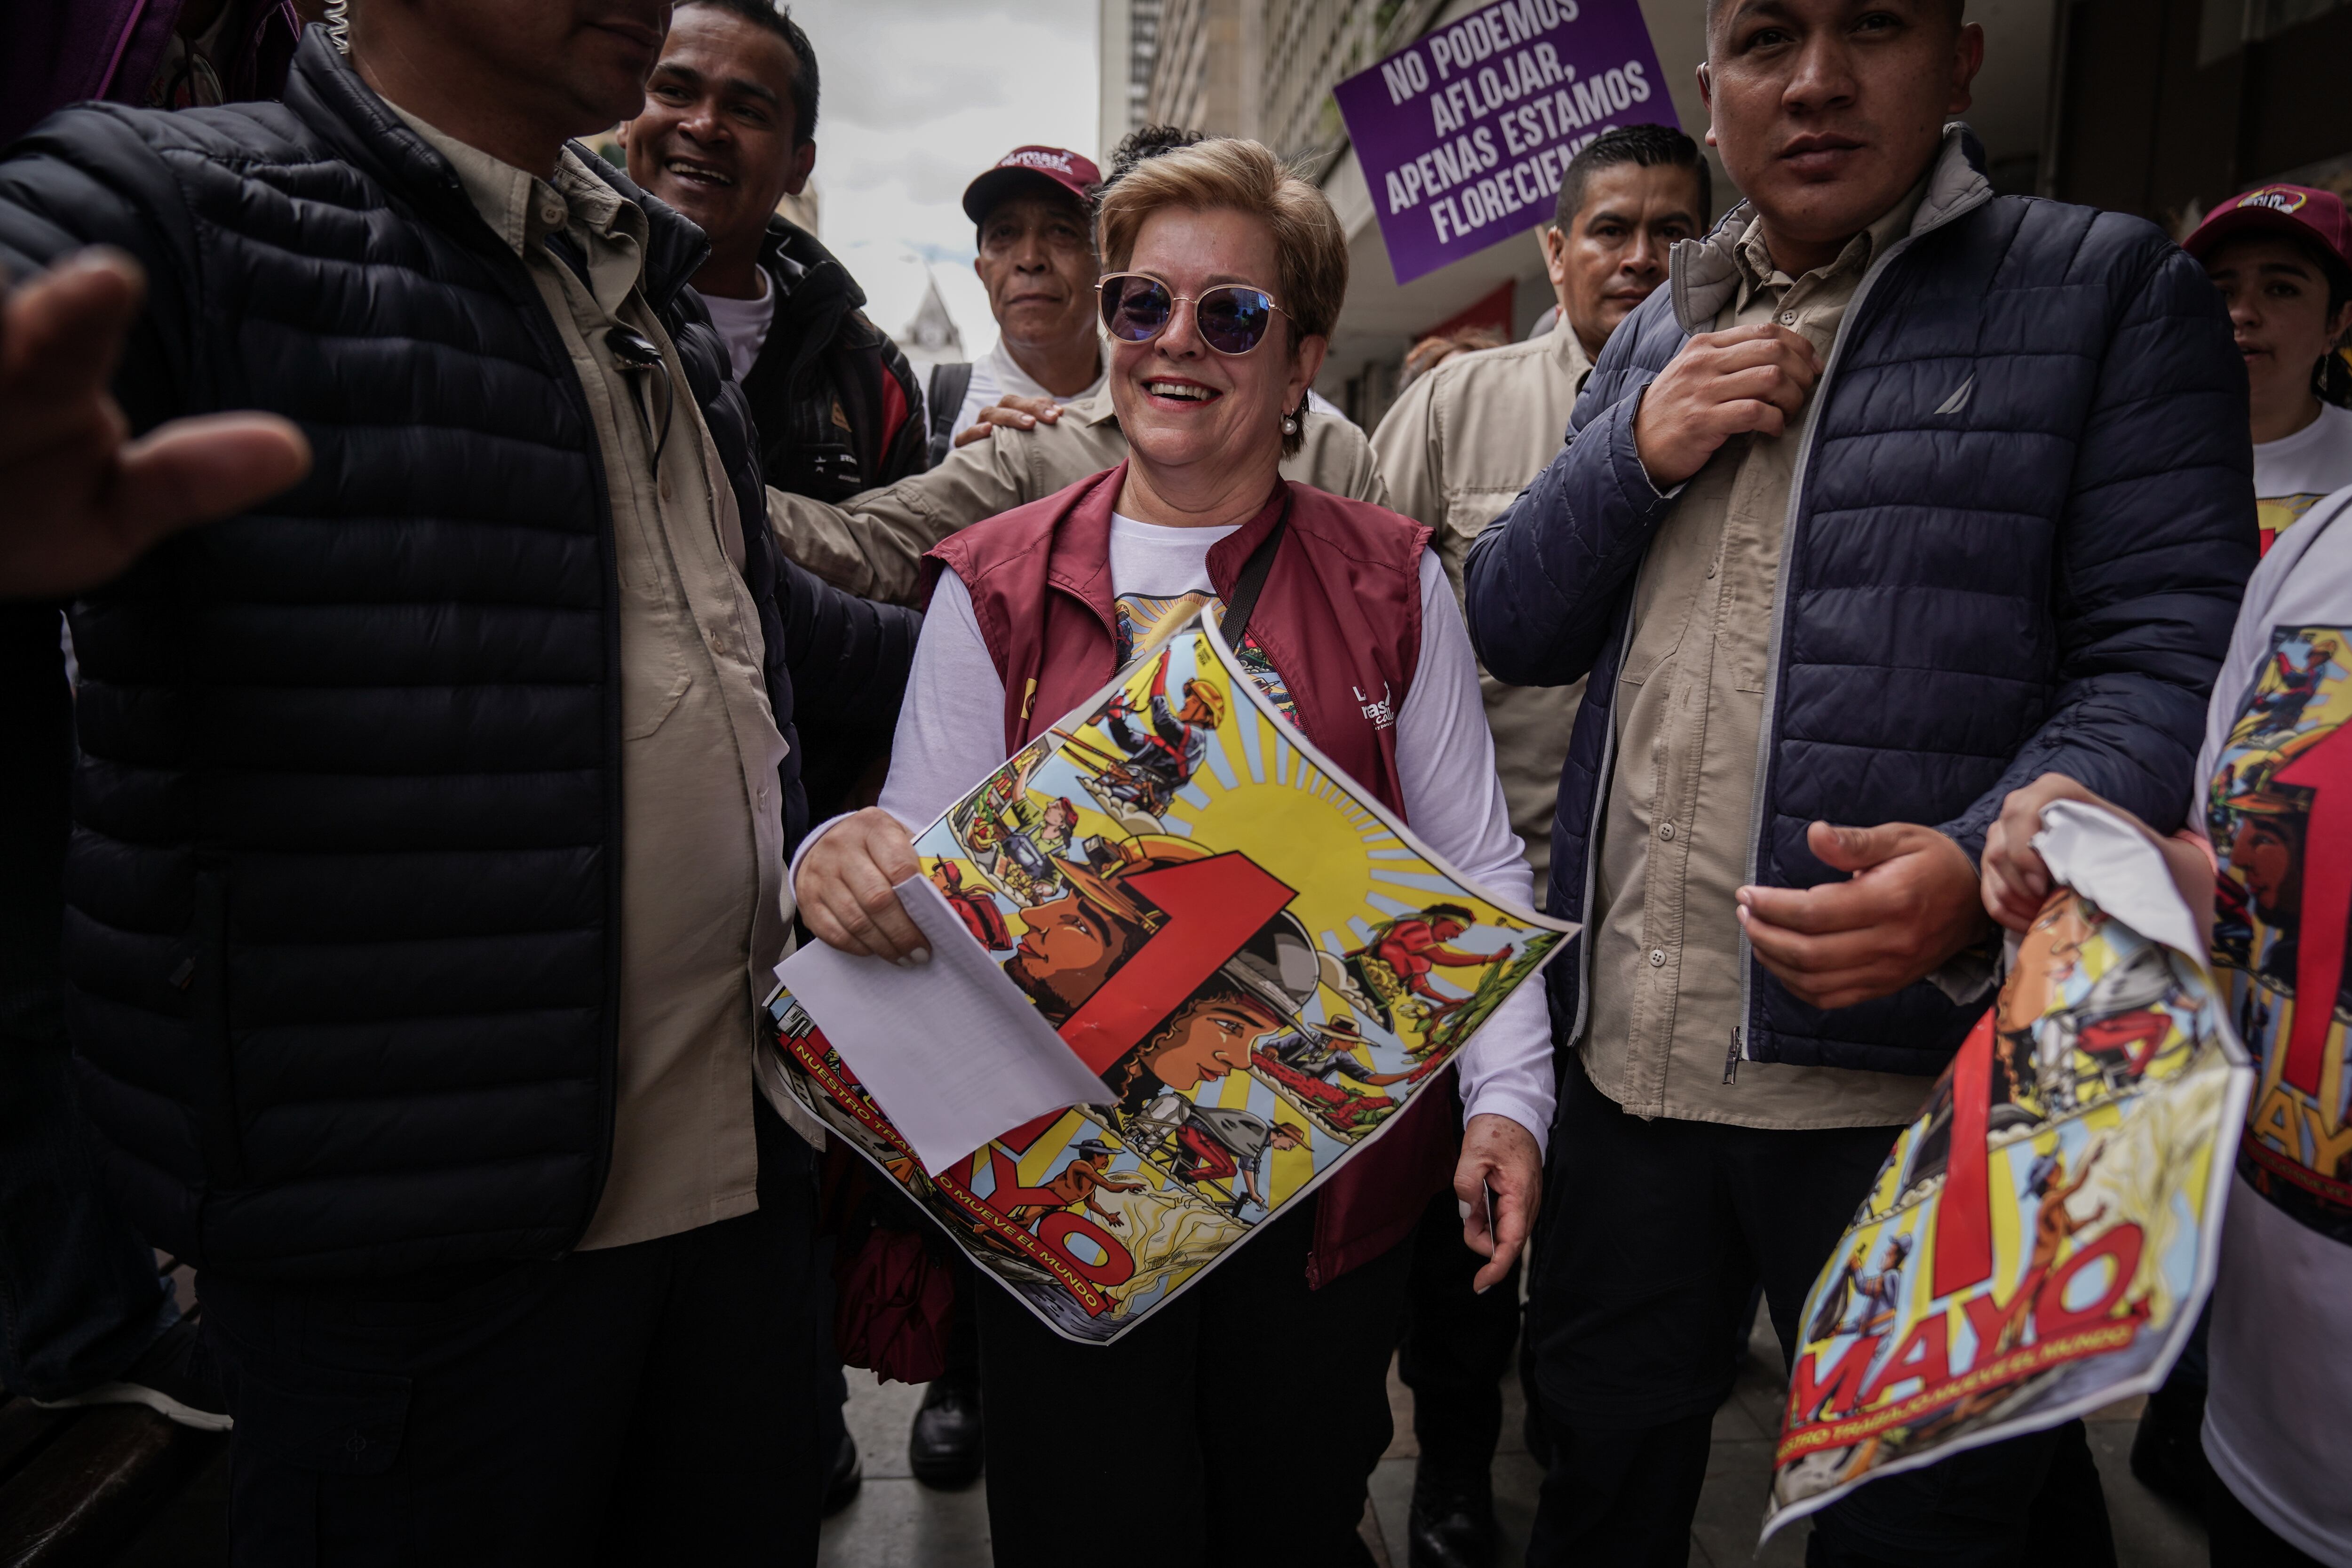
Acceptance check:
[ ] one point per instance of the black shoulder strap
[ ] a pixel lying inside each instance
(945, 396)
(1252, 582)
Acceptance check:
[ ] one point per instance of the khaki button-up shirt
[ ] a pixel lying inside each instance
(703, 916)
(1668, 955)
(872, 544)
(1454, 452)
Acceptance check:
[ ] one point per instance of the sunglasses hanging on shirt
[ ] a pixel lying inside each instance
(1232, 318)
(636, 353)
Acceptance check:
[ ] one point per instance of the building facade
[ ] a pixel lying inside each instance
(2166, 106)
(2155, 107)
(1259, 69)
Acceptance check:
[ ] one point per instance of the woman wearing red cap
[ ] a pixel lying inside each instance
(1226, 275)
(2282, 257)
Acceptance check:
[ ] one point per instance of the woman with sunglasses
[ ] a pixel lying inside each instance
(1252, 1407)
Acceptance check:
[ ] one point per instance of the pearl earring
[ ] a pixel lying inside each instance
(1290, 424)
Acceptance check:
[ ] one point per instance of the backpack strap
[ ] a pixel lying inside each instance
(949, 383)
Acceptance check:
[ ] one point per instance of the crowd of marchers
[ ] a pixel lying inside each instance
(588, 594)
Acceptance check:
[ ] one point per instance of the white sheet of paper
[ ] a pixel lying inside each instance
(951, 1050)
(2110, 862)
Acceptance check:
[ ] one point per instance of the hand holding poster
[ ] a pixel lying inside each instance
(2040, 1241)
(1464, 132)
(1260, 967)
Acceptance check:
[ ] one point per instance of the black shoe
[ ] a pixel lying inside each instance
(943, 1446)
(848, 1475)
(174, 1376)
(1451, 1530)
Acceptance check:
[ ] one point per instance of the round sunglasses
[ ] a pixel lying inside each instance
(1232, 317)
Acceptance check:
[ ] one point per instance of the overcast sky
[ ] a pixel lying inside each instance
(921, 95)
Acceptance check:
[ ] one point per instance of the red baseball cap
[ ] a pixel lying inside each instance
(2299, 212)
(1056, 166)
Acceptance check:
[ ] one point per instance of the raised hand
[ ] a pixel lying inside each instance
(84, 501)
(1721, 385)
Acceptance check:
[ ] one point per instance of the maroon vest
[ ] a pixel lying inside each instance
(1340, 616)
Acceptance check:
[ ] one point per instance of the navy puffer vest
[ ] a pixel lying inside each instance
(343, 888)
(2023, 520)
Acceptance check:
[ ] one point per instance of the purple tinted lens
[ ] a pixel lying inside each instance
(1135, 309)
(1234, 318)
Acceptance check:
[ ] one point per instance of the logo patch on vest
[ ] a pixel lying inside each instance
(1382, 714)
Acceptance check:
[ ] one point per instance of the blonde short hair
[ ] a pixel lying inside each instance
(1225, 173)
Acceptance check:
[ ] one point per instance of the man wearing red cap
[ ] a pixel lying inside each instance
(1007, 437)
(1036, 256)
(2282, 257)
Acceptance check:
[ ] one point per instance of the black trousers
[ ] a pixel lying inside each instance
(1456, 1352)
(80, 1298)
(2239, 1539)
(646, 1403)
(1654, 1236)
(1238, 1425)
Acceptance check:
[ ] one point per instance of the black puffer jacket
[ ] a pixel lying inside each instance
(838, 407)
(344, 887)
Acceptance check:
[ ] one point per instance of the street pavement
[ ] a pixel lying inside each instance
(897, 1521)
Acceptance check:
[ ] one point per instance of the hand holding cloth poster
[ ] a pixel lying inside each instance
(1251, 968)
(2040, 1240)
(1464, 132)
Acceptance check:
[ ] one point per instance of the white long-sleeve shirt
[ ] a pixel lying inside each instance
(952, 732)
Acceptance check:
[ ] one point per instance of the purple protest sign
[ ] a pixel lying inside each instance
(1465, 132)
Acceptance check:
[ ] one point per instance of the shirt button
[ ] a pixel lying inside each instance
(1657, 958)
(551, 215)
(719, 646)
(1665, 830)
(1787, 318)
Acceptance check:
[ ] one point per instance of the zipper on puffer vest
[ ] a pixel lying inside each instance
(1769, 727)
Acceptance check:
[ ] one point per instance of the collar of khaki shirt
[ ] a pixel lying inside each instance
(1758, 271)
(521, 208)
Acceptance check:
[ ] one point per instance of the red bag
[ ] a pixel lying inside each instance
(893, 1290)
(894, 1305)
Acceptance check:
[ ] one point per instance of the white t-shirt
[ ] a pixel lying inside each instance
(2291, 475)
(2281, 1341)
(951, 733)
(743, 323)
(996, 375)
